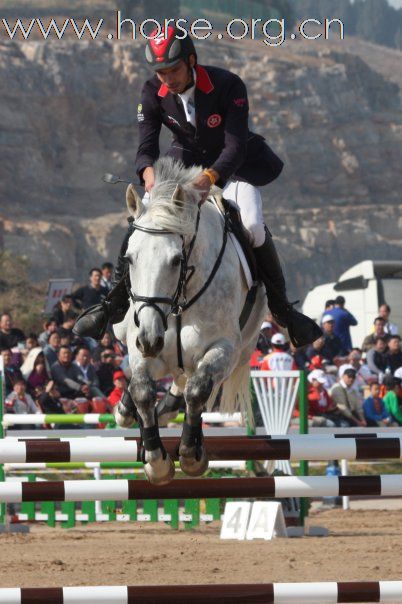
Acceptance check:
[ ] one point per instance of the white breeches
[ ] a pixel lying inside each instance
(249, 202)
(247, 199)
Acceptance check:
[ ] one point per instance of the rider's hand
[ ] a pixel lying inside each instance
(203, 182)
(149, 178)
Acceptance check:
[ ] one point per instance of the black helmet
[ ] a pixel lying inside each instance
(162, 52)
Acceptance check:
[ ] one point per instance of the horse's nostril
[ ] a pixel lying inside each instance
(159, 344)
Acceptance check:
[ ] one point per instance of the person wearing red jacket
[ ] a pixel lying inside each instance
(120, 386)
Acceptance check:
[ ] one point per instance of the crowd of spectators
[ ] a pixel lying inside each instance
(347, 386)
(56, 372)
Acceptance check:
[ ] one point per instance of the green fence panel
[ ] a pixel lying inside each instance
(49, 508)
(192, 506)
(69, 508)
(171, 506)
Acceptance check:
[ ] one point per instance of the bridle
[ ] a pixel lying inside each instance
(178, 303)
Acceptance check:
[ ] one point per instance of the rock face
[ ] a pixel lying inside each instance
(68, 114)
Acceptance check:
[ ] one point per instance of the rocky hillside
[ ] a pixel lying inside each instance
(68, 114)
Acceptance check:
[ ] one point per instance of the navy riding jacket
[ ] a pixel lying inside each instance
(221, 139)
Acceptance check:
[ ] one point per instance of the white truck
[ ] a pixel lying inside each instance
(365, 286)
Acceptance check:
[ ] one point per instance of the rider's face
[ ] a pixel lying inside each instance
(177, 77)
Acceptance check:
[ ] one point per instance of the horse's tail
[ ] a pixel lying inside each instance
(236, 392)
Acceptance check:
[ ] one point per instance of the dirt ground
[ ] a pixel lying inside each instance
(362, 545)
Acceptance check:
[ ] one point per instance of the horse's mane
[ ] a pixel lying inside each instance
(180, 216)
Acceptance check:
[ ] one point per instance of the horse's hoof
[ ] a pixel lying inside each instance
(160, 471)
(193, 467)
(124, 420)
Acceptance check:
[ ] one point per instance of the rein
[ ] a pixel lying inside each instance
(178, 302)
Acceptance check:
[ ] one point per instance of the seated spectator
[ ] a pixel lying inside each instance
(50, 326)
(278, 359)
(264, 338)
(343, 321)
(346, 399)
(107, 275)
(390, 328)
(63, 310)
(393, 398)
(34, 371)
(52, 348)
(394, 354)
(374, 409)
(105, 343)
(376, 357)
(106, 371)
(49, 400)
(19, 401)
(363, 374)
(31, 342)
(11, 373)
(68, 377)
(10, 336)
(321, 408)
(379, 331)
(87, 372)
(91, 294)
(300, 356)
(332, 347)
(315, 349)
(120, 386)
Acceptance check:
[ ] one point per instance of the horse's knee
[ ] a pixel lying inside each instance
(198, 390)
(143, 391)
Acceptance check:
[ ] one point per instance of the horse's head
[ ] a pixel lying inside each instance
(157, 250)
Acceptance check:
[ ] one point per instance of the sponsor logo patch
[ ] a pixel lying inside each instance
(240, 102)
(214, 120)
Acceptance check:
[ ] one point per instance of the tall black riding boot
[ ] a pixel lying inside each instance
(302, 330)
(93, 321)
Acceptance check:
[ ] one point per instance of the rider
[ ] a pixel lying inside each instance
(206, 109)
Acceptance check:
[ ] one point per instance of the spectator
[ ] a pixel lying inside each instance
(107, 274)
(332, 347)
(321, 407)
(300, 356)
(278, 359)
(10, 336)
(393, 398)
(315, 349)
(106, 371)
(34, 371)
(63, 310)
(390, 328)
(68, 377)
(52, 348)
(394, 354)
(363, 373)
(91, 294)
(87, 370)
(19, 402)
(376, 357)
(343, 321)
(11, 373)
(346, 399)
(31, 342)
(104, 344)
(264, 339)
(49, 400)
(379, 331)
(120, 386)
(374, 409)
(50, 326)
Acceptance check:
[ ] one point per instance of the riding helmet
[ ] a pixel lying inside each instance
(163, 52)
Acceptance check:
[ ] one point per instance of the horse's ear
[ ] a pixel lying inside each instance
(134, 203)
(178, 197)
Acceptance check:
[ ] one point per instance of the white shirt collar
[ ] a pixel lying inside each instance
(187, 98)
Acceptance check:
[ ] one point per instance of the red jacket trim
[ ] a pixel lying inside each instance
(203, 82)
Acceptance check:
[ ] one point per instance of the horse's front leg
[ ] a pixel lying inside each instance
(158, 466)
(213, 368)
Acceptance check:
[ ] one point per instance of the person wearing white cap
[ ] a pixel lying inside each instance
(347, 400)
(321, 409)
(278, 359)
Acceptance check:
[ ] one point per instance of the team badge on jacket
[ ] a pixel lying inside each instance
(214, 120)
(140, 115)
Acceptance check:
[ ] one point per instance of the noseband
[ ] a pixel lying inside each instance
(178, 302)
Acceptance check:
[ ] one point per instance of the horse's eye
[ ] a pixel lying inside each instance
(175, 261)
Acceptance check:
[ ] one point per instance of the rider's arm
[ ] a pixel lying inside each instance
(149, 127)
(236, 131)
